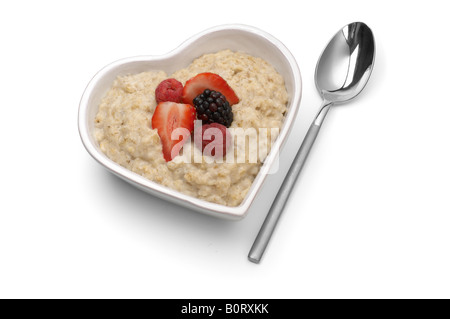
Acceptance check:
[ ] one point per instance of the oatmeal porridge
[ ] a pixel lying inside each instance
(123, 126)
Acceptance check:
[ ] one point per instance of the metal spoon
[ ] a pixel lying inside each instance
(341, 73)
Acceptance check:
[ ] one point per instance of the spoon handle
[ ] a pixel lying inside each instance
(265, 233)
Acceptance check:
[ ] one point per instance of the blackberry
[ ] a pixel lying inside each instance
(213, 107)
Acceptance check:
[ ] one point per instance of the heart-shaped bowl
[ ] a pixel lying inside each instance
(235, 37)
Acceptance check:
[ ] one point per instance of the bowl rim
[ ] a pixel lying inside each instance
(228, 212)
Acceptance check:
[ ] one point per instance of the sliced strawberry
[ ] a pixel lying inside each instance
(211, 81)
(168, 117)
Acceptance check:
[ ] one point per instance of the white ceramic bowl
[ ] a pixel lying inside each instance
(235, 37)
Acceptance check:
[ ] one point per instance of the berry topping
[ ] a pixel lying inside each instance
(168, 117)
(211, 81)
(169, 90)
(213, 139)
(213, 107)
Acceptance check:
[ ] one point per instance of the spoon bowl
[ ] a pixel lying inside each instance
(342, 72)
(346, 63)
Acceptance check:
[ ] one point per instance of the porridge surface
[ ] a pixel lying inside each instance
(124, 132)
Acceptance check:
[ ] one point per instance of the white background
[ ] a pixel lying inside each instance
(369, 216)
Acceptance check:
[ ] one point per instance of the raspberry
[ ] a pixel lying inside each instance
(213, 139)
(169, 90)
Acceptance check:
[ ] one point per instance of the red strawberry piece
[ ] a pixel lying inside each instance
(169, 90)
(211, 81)
(169, 117)
(213, 139)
